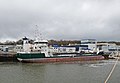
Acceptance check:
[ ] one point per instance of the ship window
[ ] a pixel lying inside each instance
(26, 42)
(40, 42)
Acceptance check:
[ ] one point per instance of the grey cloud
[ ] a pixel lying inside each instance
(60, 19)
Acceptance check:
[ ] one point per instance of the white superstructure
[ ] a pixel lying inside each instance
(37, 46)
(41, 46)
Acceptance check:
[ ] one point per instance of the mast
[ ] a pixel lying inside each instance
(38, 35)
(39, 43)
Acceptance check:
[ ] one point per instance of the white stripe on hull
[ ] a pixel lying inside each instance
(20, 59)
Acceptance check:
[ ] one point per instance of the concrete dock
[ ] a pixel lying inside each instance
(8, 57)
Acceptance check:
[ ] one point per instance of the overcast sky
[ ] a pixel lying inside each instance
(60, 19)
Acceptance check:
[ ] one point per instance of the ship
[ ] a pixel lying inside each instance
(38, 52)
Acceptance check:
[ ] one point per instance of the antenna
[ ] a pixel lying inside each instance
(38, 35)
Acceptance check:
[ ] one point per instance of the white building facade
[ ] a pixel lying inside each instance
(91, 43)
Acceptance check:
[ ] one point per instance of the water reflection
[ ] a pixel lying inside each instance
(69, 72)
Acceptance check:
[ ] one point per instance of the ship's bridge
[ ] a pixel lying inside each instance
(40, 42)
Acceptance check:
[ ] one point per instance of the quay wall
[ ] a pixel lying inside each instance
(6, 57)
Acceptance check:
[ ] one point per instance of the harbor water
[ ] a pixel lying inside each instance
(73, 72)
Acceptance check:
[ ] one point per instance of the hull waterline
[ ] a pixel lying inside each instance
(61, 59)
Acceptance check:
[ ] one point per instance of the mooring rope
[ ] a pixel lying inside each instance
(111, 71)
